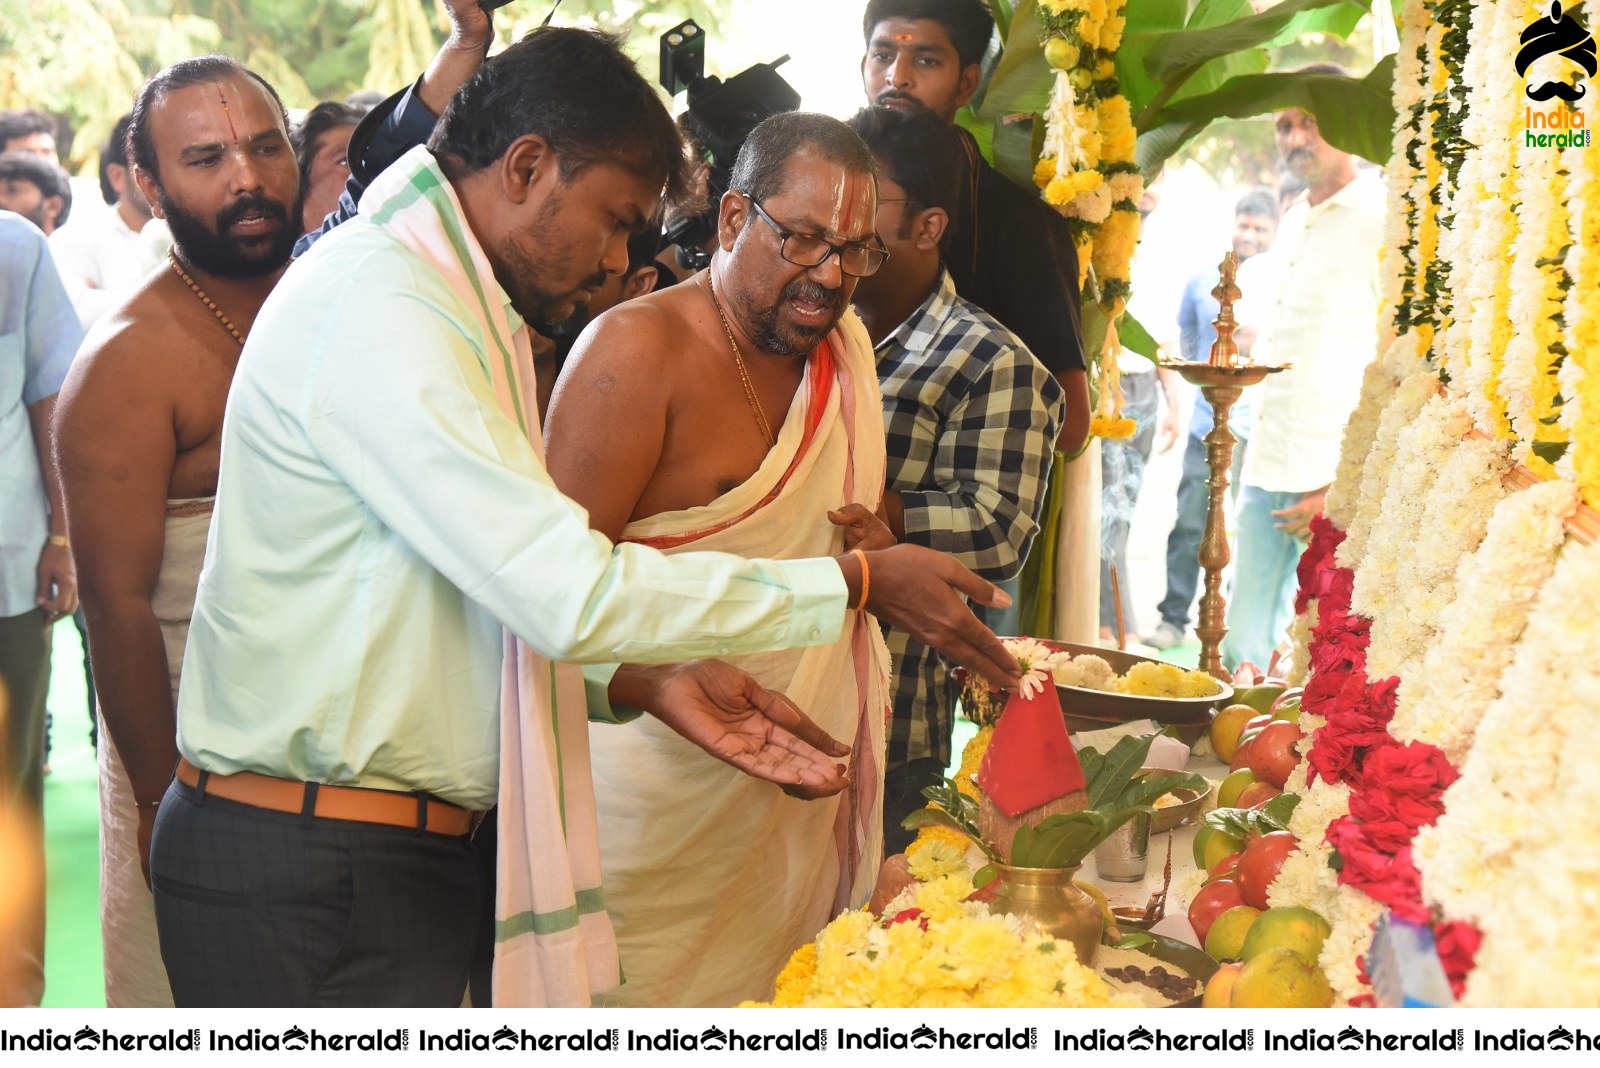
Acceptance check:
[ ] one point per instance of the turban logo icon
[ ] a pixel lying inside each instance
(1558, 33)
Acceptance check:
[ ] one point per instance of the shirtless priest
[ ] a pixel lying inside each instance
(738, 412)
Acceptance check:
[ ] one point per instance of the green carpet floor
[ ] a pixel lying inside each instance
(72, 969)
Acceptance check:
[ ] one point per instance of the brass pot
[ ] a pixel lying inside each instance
(1050, 898)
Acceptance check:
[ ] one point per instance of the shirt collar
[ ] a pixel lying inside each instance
(1349, 193)
(921, 326)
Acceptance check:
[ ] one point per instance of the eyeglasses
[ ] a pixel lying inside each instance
(809, 250)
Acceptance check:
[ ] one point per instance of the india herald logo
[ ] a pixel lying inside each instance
(1560, 33)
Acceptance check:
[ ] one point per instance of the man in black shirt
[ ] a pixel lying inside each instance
(1008, 251)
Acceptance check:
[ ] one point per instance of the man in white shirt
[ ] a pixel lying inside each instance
(1324, 325)
(104, 257)
(384, 518)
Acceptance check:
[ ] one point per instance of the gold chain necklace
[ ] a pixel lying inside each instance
(744, 372)
(227, 324)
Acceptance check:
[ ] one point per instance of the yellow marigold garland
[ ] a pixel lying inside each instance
(1087, 169)
(934, 949)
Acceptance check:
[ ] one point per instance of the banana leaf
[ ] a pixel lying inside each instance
(1354, 115)
(1189, 48)
(1022, 79)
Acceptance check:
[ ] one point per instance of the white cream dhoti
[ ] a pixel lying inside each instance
(135, 976)
(713, 878)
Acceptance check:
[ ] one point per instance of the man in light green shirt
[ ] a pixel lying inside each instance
(382, 518)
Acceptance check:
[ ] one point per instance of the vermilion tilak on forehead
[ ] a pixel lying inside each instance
(902, 37)
(223, 97)
(849, 204)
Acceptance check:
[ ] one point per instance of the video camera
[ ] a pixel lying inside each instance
(719, 118)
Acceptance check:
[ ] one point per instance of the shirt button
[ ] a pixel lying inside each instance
(816, 632)
(722, 650)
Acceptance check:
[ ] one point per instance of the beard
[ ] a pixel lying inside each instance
(527, 276)
(772, 334)
(213, 250)
(36, 216)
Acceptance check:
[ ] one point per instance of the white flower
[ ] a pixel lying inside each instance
(1495, 589)
(1519, 821)
(1378, 467)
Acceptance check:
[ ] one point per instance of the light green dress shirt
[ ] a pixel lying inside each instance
(378, 519)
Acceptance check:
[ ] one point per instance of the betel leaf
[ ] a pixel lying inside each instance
(1353, 115)
(1063, 841)
(1243, 822)
(1145, 790)
(1109, 775)
(1135, 940)
(949, 807)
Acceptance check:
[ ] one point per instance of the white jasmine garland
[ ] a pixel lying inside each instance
(1524, 356)
(1435, 344)
(1352, 918)
(1422, 450)
(1501, 809)
(1378, 384)
(1484, 223)
(1403, 407)
(1454, 516)
(1410, 84)
(1495, 590)
(1542, 952)
(1300, 644)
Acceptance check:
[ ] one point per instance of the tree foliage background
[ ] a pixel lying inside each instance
(85, 59)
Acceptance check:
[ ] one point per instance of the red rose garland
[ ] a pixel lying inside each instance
(1396, 789)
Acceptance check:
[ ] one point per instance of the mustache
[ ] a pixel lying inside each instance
(1557, 89)
(254, 205)
(895, 94)
(805, 289)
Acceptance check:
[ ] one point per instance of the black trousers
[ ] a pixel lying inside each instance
(260, 908)
(902, 795)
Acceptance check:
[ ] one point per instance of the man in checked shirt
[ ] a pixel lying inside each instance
(971, 418)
